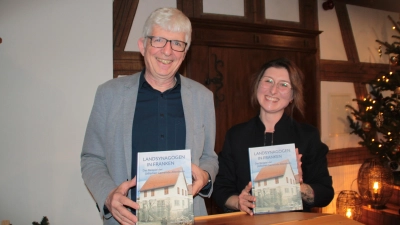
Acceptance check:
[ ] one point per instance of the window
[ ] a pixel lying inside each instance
(265, 182)
(176, 202)
(177, 188)
(287, 180)
(286, 190)
(152, 192)
(276, 180)
(145, 194)
(166, 191)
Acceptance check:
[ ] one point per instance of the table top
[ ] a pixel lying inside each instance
(286, 218)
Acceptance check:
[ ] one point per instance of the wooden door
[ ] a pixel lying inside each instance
(228, 71)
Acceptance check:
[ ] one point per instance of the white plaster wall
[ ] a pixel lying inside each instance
(53, 56)
(330, 40)
(335, 130)
(369, 25)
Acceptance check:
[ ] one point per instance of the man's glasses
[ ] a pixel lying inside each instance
(159, 42)
(282, 86)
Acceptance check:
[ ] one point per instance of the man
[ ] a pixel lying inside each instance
(154, 110)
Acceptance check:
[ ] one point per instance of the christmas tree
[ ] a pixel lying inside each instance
(377, 122)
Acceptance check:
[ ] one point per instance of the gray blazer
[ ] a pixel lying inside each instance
(106, 157)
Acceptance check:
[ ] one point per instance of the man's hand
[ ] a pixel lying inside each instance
(200, 179)
(117, 201)
(246, 200)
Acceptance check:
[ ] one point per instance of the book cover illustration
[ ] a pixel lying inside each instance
(164, 188)
(274, 177)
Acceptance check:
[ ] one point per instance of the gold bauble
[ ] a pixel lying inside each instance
(397, 91)
(394, 60)
(366, 126)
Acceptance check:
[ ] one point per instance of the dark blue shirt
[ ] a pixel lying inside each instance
(159, 121)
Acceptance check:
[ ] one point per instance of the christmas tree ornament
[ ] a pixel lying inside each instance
(379, 119)
(380, 51)
(366, 126)
(397, 91)
(397, 148)
(394, 60)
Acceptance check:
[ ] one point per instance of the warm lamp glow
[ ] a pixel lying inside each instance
(375, 180)
(349, 204)
(376, 187)
(348, 213)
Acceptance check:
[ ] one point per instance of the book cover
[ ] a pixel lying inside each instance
(274, 177)
(164, 188)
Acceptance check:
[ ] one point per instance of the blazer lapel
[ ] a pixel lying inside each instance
(187, 102)
(129, 104)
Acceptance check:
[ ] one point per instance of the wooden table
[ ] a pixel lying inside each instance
(286, 218)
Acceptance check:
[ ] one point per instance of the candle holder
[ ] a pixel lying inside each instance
(375, 183)
(348, 204)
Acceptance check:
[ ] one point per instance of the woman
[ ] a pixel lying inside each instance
(277, 90)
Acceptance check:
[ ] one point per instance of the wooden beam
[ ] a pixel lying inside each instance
(347, 156)
(347, 33)
(331, 70)
(387, 5)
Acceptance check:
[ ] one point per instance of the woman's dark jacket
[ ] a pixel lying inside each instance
(234, 168)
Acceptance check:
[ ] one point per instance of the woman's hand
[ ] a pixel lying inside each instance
(300, 171)
(246, 200)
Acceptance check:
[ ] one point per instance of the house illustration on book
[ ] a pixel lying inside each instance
(166, 196)
(276, 188)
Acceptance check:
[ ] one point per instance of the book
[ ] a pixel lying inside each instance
(274, 177)
(164, 187)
